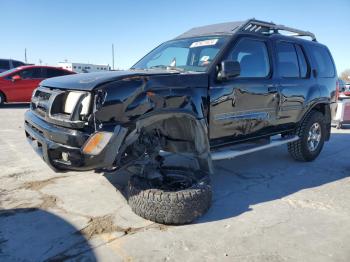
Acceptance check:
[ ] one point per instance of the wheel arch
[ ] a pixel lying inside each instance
(183, 132)
(4, 95)
(322, 106)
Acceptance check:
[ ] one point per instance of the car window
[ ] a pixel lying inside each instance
(252, 56)
(177, 54)
(287, 60)
(303, 65)
(4, 64)
(323, 61)
(30, 73)
(189, 54)
(51, 72)
(17, 63)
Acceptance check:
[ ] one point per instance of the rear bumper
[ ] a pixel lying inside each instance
(50, 141)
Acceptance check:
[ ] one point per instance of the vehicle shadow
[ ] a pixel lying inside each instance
(30, 234)
(240, 183)
(15, 105)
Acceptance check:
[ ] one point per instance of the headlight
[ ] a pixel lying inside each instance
(100, 99)
(74, 98)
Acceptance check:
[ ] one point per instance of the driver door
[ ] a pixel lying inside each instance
(245, 106)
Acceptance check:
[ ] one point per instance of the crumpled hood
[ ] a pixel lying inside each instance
(89, 81)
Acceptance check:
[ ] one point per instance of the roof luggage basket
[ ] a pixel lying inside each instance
(256, 26)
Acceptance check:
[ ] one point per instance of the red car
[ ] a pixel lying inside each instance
(17, 85)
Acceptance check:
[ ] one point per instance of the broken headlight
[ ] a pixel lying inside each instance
(71, 106)
(100, 98)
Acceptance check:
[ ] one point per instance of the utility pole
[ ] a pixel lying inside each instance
(25, 55)
(113, 56)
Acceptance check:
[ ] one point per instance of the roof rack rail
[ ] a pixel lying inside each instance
(256, 26)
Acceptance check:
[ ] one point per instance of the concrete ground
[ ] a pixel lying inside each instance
(266, 207)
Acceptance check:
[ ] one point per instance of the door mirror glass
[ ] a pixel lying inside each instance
(16, 78)
(229, 69)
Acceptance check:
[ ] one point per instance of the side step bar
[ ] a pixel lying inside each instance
(231, 153)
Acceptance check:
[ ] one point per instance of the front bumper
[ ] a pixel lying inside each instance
(50, 141)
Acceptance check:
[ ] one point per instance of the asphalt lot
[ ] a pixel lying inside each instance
(266, 207)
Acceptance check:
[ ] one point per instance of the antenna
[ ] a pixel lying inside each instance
(113, 56)
(25, 55)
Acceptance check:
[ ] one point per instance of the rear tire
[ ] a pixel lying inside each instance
(169, 207)
(312, 133)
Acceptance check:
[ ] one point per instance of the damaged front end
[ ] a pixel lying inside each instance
(119, 124)
(60, 127)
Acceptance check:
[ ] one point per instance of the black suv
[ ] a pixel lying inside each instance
(214, 92)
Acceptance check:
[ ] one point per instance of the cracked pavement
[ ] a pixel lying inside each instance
(266, 207)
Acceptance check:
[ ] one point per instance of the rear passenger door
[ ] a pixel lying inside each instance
(295, 81)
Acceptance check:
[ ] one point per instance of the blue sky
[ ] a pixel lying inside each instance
(83, 31)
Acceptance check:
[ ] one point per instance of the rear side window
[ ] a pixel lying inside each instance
(4, 64)
(287, 60)
(252, 56)
(325, 67)
(303, 65)
(51, 72)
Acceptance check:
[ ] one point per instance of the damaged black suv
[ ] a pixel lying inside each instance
(212, 93)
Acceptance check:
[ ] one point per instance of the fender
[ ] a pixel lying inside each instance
(182, 130)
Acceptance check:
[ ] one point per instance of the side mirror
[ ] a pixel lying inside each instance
(229, 69)
(16, 78)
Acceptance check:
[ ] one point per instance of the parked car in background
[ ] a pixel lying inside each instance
(7, 64)
(343, 89)
(347, 90)
(17, 84)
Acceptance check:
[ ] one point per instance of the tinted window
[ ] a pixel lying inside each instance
(287, 60)
(17, 63)
(303, 65)
(323, 61)
(51, 72)
(253, 58)
(31, 73)
(4, 64)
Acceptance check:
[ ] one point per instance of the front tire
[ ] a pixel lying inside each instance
(312, 133)
(169, 206)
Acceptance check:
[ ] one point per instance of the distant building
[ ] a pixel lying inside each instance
(83, 68)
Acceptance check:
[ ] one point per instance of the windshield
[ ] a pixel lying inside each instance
(8, 72)
(191, 54)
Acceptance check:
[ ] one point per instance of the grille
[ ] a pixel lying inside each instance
(40, 101)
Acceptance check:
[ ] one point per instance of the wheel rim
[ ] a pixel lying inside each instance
(314, 136)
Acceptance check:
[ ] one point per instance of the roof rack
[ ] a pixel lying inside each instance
(256, 26)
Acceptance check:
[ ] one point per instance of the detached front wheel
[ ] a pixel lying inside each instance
(312, 133)
(179, 197)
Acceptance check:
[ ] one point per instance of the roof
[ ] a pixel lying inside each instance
(248, 26)
(222, 28)
(38, 66)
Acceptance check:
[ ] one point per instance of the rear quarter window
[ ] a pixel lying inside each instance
(323, 60)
